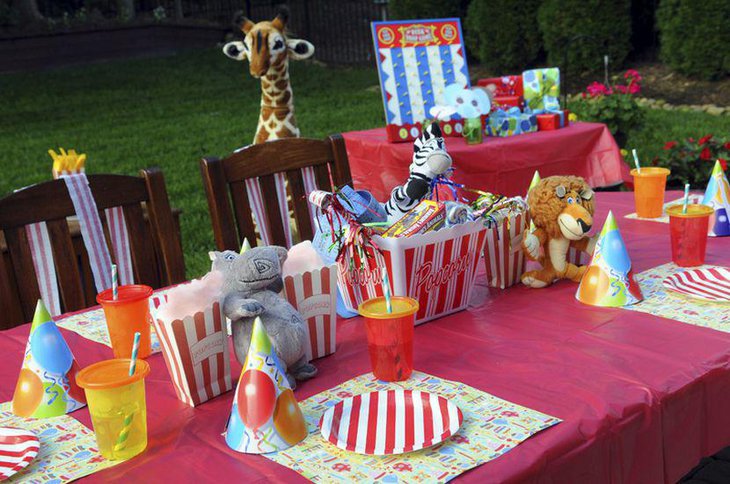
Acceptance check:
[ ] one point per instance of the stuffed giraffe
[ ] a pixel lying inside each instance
(268, 51)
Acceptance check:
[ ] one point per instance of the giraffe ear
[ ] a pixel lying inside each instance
(246, 25)
(235, 50)
(299, 49)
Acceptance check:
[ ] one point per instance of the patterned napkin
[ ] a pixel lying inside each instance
(491, 427)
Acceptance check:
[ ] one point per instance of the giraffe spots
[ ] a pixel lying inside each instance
(281, 114)
(286, 97)
(282, 84)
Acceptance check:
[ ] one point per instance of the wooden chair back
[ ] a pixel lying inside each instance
(155, 248)
(232, 215)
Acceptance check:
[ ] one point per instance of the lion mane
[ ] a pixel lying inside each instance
(545, 206)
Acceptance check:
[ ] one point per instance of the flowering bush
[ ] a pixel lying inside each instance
(613, 105)
(692, 161)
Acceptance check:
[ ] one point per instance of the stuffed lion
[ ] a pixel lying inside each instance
(561, 208)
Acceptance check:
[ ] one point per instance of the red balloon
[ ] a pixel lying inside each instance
(75, 392)
(256, 397)
(634, 286)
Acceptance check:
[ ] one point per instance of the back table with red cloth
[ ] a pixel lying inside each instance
(642, 398)
(498, 165)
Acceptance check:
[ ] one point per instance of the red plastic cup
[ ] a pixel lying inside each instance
(126, 315)
(390, 336)
(688, 232)
(649, 185)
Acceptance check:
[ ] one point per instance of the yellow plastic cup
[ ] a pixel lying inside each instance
(649, 185)
(117, 406)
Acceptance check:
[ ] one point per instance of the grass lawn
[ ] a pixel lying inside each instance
(169, 112)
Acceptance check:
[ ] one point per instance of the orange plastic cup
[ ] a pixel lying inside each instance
(649, 188)
(390, 336)
(117, 406)
(126, 315)
(688, 232)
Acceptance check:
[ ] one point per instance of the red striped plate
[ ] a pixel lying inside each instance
(390, 422)
(18, 448)
(712, 284)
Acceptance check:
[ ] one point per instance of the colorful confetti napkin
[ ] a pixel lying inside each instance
(660, 301)
(491, 427)
(67, 451)
(665, 218)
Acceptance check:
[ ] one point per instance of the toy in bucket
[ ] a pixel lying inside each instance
(116, 398)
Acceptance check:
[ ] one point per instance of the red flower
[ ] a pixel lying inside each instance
(670, 145)
(704, 139)
(691, 140)
(723, 163)
(705, 155)
(727, 145)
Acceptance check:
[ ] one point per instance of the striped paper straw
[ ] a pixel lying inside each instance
(686, 198)
(386, 291)
(115, 283)
(135, 350)
(636, 160)
(121, 443)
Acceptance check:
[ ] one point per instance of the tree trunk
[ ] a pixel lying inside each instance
(28, 10)
(125, 9)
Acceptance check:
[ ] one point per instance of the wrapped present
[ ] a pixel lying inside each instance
(548, 121)
(511, 122)
(541, 89)
(508, 102)
(437, 268)
(503, 86)
(314, 295)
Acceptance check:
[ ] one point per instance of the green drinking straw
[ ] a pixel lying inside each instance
(686, 198)
(636, 160)
(376, 224)
(386, 292)
(126, 427)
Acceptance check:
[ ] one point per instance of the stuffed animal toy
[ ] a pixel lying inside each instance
(561, 208)
(251, 286)
(430, 159)
(268, 51)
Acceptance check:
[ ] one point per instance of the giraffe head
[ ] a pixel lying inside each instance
(266, 45)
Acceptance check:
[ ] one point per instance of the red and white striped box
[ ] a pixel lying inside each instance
(314, 295)
(503, 254)
(196, 354)
(436, 268)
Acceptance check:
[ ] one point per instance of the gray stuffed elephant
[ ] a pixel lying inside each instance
(251, 285)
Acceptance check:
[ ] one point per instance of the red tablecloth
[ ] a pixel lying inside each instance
(642, 398)
(499, 165)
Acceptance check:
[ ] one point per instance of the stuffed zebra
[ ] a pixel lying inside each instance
(429, 160)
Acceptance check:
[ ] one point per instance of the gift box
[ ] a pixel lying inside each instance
(548, 122)
(503, 86)
(437, 269)
(511, 122)
(314, 295)
(507, 102)
(541, 89)
(400, 133)
(195, 349)
(503, 254)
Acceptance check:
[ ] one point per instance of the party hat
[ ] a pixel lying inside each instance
(47, 382)
(265, 416)
(717, 196)
(245, 246)
(535, 180)
(609, 281)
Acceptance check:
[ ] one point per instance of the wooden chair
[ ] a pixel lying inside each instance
(328, 158)
(155, 247)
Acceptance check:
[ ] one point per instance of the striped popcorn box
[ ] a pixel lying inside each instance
(503, 253)
(314, 295)
(196, 353)
(436, 268)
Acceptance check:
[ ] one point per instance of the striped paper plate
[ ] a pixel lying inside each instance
(712, 284)
(390, 422)
(18, 448)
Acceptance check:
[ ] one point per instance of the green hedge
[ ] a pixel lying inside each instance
(695, 38)
(502, 34)
(417, 9)
(605, 27)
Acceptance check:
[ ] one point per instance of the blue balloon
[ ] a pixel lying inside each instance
(614, 251)
(235, 430)
(50, 350)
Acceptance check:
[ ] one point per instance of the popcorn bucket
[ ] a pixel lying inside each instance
(196, 354)
(503, 254)
(437, 269)
(314, 295)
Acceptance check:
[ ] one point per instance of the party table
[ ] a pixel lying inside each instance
(641, 398)
(500, 165)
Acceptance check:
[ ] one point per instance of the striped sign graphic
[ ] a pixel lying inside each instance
(196, 354)
(437, 268)
(314, 295)
(390, 422)
(18, 448)
(503, 254)
(712, 284)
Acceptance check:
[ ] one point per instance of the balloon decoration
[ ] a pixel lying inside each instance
(47, 382)
(609, 281)
(717, 196)
(265, 416)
